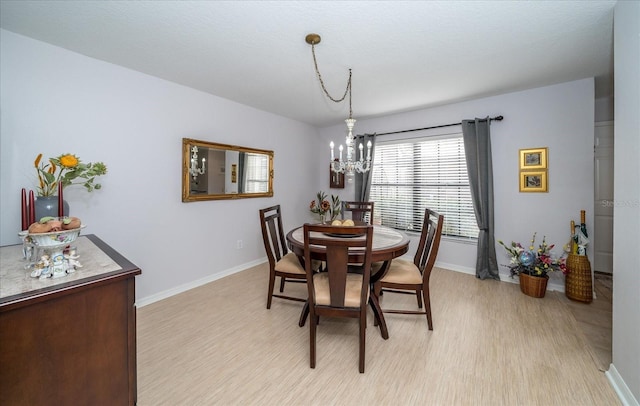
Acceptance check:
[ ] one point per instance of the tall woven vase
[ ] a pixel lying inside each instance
(578, 284)
(534, 286)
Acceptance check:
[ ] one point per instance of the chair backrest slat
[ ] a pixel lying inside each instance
(273, 233)
(429, 241)
(360, 211)
(338, 262)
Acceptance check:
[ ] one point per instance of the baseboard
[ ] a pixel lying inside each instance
(504, 277)
(621, 388)
(194, 284)
(454, 267)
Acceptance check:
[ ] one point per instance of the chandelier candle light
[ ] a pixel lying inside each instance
(194, 170)
(352, 163)
(350, 166)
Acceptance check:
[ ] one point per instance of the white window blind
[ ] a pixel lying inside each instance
(257, 177)
(411, 175)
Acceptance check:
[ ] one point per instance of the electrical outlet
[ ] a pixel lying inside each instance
(239, 244)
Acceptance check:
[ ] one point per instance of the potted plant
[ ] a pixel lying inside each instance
(65, 170)
(322, 206)
(68, 169)
(533, 265)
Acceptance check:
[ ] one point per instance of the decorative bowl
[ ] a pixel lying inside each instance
(55, 239)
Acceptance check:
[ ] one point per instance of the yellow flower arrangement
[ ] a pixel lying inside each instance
(68, 169)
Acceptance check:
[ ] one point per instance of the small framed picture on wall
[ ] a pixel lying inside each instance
(533, 181)
(533, 158)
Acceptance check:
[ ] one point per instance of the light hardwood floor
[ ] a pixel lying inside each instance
(594, 320)
(491, 345)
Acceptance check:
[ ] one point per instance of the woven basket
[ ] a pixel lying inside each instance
(534, 286)
(578, 284)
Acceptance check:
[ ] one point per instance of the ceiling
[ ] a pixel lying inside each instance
(405, 55)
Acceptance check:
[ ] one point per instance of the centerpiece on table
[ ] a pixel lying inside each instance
(533, 265)
(66, 170)
(321, 206)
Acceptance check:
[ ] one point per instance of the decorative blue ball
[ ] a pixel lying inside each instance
(526, 258)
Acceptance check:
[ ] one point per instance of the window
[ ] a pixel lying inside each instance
(411, 175)
(257, 176)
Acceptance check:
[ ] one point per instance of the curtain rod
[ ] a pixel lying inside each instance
(497, 118)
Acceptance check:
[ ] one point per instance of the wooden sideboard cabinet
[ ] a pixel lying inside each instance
(69, 341)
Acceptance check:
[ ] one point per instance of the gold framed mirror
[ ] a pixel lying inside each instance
(212, 171)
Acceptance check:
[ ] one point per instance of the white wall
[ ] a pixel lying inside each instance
(54, 101)
(625, 370)
(560, 117)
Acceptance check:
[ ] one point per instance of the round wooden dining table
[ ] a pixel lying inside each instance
(387, 244)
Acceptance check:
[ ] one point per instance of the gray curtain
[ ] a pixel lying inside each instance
(242, 175)
(477, 148)
(363, 180)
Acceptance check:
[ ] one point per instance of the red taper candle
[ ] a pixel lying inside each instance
(32, 208)
(24, 210)
(60, 201)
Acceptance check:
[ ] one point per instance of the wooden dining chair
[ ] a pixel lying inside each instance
(359, 211)
(337, 292)
(413, 277)
(282, 263)
(362, 211)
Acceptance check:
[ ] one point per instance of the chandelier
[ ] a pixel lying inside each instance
(353, 163)
(194, 170)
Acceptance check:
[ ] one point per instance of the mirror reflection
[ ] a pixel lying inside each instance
(219, 171)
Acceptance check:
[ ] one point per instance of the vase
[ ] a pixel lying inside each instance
(47, 206)
(534, 286)
(577, 283)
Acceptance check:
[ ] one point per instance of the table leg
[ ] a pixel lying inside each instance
(304, 314)
(377, 312)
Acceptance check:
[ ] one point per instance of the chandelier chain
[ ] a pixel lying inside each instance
(324, 89)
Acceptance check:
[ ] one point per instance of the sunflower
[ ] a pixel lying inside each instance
(68, 161)
(67, 169)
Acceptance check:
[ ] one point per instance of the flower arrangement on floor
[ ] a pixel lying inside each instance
(321, 206)
(534, 262)
(68, 169)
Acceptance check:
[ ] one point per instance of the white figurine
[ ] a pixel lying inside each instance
(37, 270)
(72, 263)
(41, 268)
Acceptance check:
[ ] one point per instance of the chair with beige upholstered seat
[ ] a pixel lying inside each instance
(337, 292)
(413, 277)
(282, 263)
(359, 211)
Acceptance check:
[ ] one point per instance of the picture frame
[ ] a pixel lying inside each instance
(533, 181)
(336, 180)
(533, 158)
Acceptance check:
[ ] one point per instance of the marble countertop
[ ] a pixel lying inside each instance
(15, 279)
